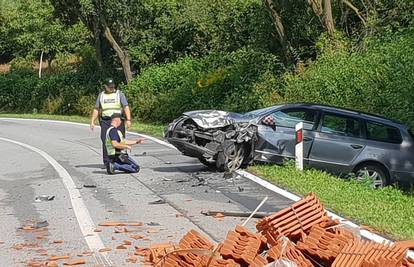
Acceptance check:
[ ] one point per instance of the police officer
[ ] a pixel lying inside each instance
(110, 101)
(117, 147)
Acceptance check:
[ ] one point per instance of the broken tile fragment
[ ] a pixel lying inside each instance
(61, 257)
(127, 242)
(75, 262)
(119, 223)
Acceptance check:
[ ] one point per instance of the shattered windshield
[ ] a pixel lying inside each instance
(261, 111)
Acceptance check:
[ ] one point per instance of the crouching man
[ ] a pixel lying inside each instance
(117, 148)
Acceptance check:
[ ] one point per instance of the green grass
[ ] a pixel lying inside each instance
(387, 210)
(153, 129)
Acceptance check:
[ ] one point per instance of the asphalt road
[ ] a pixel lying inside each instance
(56, 159)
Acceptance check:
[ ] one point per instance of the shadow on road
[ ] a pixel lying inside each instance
(92, 166)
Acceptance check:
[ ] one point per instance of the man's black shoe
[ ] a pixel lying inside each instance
(110, 169)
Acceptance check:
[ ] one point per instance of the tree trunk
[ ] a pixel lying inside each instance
(280, 29)
(97, 41)
(122, 55)
(327, 17)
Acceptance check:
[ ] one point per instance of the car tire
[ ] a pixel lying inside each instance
(233, 161)
(375, 172)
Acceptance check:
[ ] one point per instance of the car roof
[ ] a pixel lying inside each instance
(350, 112)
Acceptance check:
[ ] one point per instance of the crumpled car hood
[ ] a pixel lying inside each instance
(214, 118)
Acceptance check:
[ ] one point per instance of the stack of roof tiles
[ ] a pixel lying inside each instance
(242, 245)
(324, 245)
(370, 254)
(286, 250)
(302, 234)
(294, 220)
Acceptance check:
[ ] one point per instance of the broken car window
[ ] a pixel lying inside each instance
(289, 118)
(341, 125)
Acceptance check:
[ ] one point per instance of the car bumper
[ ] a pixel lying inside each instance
(191, 150)
(404, 178)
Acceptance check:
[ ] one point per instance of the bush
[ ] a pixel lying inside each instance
(378, 79)
(23, 91)
(69, 87)
(232, 81)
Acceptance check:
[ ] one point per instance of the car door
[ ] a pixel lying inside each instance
(275, 144)
(337, 143)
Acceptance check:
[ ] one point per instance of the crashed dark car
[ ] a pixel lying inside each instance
(340, 141)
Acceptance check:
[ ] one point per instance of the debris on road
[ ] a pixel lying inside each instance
(157, 202)
(34, 226)
(152, 230)
(127, 242)
(89, 186)
(120, 223)
(75, 262)
(153, 224)
(104, 249)
(218, 215)
(61, 257)
(136, 237)
(235, 214)
(44, 198)
(300, 235)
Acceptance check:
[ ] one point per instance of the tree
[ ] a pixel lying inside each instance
(95, 16)
(29, 27)
(280, 29)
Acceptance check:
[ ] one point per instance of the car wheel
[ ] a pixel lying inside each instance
(374, 173)
(232, 160)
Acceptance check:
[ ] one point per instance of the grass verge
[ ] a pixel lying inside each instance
(153, 129)
(387, 210)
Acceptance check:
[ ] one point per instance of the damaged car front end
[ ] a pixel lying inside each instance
(218, 139)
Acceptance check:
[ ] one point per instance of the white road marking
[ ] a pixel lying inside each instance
(367, 234)
(156, 140)
(86, 224)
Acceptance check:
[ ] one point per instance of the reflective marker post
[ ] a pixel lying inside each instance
(299, 146)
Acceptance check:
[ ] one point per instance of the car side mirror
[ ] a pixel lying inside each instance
(269, 121)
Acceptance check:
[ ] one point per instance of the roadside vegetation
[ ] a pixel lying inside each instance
(237, 55)
(387, 210)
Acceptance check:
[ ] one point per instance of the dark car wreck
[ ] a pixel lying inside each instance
(218, 139)
(336, 140)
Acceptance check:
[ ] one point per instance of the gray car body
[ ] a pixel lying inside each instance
(334, 153)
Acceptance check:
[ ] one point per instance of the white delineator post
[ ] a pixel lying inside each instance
(299, 146)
